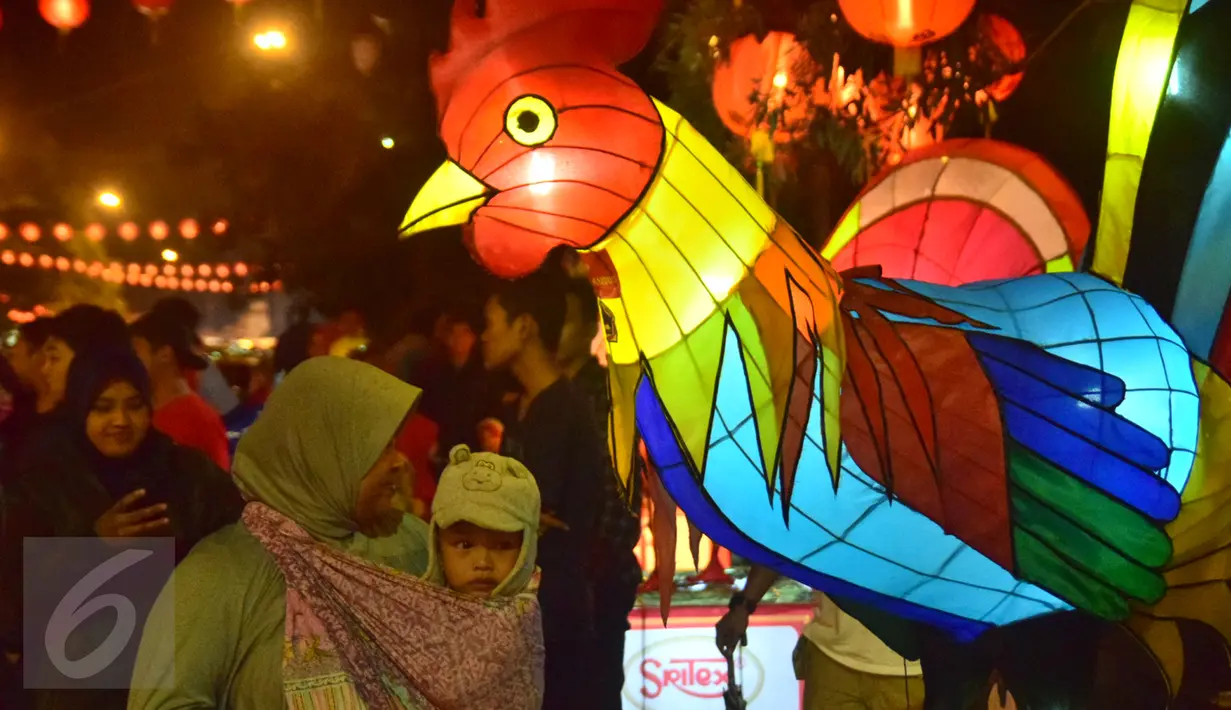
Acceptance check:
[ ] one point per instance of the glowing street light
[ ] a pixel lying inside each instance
(387, 142)
(109, 199)
(270, 41)
(170, 255)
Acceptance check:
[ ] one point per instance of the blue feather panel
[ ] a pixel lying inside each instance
(854, 542)
(1089, 321)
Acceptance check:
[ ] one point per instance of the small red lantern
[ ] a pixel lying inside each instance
(95, 232)
(160, 281)
(173, 282)
(133, 279)
(214, 286)
(95, 269)
(65, 15)
(26, 260)
(205, 270)
(30, 232)
(189, 229)
(151, 270)
(168, 270)
(147, 280)
(223, 271)
(241, 269)
(4, 232)
(220, 227)
(227, 287)
(159, 230)
(187, 285)
(62, 232)
(8, 257)
(129, 231)
(201, 284)
(79, 266)
(45, 261)
(186, 270)
(1001, 34)
(905, 23)
(759, 85)
(63, 264)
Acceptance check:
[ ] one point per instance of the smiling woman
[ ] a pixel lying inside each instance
(105, 472)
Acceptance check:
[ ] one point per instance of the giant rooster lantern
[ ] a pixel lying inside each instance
(963, 457)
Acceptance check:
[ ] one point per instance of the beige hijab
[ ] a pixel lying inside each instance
(320, 433)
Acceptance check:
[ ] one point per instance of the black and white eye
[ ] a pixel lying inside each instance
(530, 120)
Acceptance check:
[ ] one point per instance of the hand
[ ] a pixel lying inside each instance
(732, 630)
(125, 520)
(547, 521)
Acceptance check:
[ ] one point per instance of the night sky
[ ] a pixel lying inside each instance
(108, 104)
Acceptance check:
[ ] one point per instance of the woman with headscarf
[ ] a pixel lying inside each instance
(313, 599)
(108, 474)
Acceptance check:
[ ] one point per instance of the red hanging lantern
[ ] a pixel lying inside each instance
(4, 232)
(26, 260)
(905, 23)
(95, 232)
(45, 261)
(227, 287)
(758, 87)
(159, 230)
(62, 232)
(189, 229)
(223, 271)
(30, 232)
(1001, 34)
(63, 264)
(65, 15)
(129, 231)
(8, 257)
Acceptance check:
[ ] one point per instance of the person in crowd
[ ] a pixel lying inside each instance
(613, 570)
(166, 348)
(75, 331)
(26, 356)
(552, 432)
(258, 612)
(26, 389)
(485, 521)
(841, 662)
(107, 473)
(491, 435)
(458, 393)
(208, 382)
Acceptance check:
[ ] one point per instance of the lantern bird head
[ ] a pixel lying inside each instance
(549, 145)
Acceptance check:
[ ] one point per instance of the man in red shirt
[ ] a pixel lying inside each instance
(166, 348)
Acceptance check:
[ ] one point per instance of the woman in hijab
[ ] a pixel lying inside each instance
(313, 599)
(108, 475)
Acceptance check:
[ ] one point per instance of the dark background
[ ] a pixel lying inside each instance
(289, 151)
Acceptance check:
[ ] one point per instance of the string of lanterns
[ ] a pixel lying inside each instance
(159, 230)
(211, 278)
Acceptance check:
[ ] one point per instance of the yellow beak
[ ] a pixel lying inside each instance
(448, 199)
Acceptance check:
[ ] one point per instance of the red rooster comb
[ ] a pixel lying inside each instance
(616, 29)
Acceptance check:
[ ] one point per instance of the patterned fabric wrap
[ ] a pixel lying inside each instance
(364, 635)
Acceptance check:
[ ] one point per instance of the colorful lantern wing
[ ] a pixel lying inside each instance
(962, 211)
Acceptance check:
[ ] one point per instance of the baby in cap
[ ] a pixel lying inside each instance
(484, 532)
